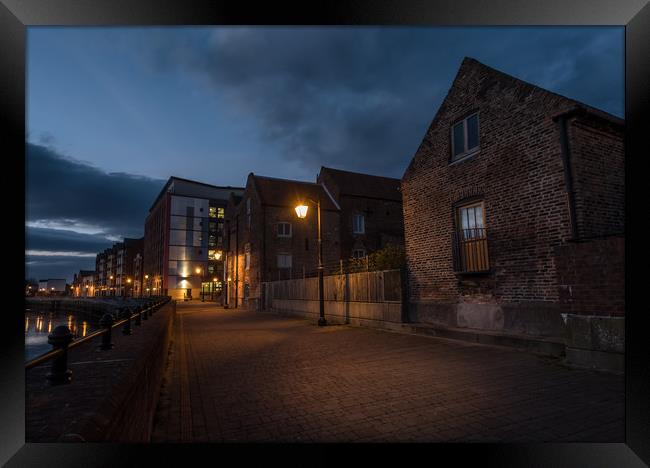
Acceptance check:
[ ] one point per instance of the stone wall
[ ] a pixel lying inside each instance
(113, 394)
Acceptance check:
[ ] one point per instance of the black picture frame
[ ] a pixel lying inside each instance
(17, 15)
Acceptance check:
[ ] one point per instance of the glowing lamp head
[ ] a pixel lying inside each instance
(198, 270)
(301, 211)
(128, 280)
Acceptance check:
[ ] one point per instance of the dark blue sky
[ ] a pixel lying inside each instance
(113, 112)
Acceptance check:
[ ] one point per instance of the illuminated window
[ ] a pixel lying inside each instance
(212, 212)
(220, 212)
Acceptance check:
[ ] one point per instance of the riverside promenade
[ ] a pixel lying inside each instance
(242, 376)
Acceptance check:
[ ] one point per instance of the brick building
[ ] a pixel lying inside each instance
(266, 239)
(510, 187)
(114, 273)
(371, 210)
(83, 284)
(184, 240)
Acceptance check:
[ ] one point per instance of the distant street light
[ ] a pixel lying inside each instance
(301, 211)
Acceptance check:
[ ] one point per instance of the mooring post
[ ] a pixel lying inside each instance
(107, 323)
(138, 317)
(60, 338)
(126, 314)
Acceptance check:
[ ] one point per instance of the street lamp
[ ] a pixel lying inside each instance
(301, 212)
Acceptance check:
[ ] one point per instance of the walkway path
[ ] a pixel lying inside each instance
(238, 376)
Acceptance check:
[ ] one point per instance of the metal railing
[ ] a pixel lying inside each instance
(62, 340)
(470, 250)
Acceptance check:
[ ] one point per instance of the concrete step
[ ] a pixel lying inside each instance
(538, 344)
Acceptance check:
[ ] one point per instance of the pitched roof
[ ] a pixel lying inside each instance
(285, 192)
(364, 185)
(578, 106)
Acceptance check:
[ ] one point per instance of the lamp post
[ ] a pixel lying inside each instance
(301, 211)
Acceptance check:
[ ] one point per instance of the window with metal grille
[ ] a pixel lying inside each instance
(470, 239)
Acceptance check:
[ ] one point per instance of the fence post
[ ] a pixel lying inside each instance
(60, 338)
(404, 294)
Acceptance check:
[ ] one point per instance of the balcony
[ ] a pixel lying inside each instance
(470, 250)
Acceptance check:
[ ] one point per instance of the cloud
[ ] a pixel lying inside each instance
(67, 194)
(49, 253)
(361, 98)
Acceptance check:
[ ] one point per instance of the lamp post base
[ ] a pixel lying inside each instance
(322, 322)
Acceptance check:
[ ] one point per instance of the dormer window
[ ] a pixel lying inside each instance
(464, 138)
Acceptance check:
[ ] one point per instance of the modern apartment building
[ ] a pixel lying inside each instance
(184, 240)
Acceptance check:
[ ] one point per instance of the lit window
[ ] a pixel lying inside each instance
(212, 212)
(284, 229)
(220, 212)
(464, 137)
(471, 247)
(358, 224)
(284, 261)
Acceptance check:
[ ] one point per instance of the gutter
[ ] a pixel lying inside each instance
(568, 176)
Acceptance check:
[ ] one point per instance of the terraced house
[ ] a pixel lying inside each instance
(266, 239)
(514, 216)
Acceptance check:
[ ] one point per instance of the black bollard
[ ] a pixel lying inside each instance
(107, 323)
(138, 317)
(60, 338)
(126, 314)
(145, 313)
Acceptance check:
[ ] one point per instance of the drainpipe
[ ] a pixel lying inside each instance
(236, 259)
(568, 178)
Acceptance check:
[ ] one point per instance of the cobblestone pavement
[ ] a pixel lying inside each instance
(238, 376)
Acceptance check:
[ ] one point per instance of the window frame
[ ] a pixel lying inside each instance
(474, 243)
(284, 254)
(284, 223)
(365, 254)
(468, 152)
(356, 216)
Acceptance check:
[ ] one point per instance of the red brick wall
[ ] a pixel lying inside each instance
(598, 167)
(591, 276)
(382, 218)
(265, 244)
(302, 255)
(518, 173)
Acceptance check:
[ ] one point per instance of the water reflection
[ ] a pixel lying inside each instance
(38, 325)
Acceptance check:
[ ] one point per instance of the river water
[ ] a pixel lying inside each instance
(40, 324)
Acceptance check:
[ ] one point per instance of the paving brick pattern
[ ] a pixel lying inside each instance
(238, 376)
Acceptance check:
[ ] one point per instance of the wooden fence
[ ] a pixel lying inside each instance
(371, 286)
